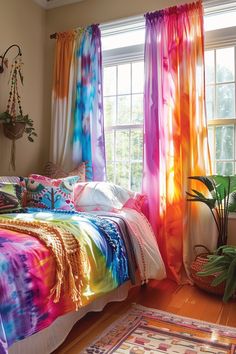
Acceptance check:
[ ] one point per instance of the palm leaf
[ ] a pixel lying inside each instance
(206, 180)
(220, 278)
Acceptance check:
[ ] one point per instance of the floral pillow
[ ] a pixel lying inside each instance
(47, 193)
(10, 197)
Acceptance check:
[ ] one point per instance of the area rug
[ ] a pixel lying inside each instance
(144, 330)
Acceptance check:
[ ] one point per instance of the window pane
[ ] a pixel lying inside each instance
(122, 145)
(224, 168)
(124, 79)
(122, 174)
(211, 142)
(123, 39)
(109, 111)
(225, 64)
(110, 172)
(209, 67)
(210, 102)
(109, 81)
(137, 109)
(225, 101)
(109, 140)
(136, 176)
(123, 109)
(137, 77)
(225, 142)
(136, 145)
(223, 19)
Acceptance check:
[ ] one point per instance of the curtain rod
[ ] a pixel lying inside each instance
(207, 5)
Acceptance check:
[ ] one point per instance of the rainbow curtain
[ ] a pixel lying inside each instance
(175, 132)
(77, 102)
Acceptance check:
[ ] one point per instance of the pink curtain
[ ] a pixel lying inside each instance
(175, 133)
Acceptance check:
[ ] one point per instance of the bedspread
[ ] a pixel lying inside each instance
(114, 243)
(28, 270)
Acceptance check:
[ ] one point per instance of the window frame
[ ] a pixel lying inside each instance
(219, 39)
(119, 56)
(215, 39)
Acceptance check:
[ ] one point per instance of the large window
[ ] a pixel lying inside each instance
(123, 55)
(123, 107)
(123, 76)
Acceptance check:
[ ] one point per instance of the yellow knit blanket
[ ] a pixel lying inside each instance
(69, 255)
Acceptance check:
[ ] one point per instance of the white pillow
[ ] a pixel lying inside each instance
(100, 196)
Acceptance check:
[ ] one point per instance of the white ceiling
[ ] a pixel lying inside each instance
(50, 4)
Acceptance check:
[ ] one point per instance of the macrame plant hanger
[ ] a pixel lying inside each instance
(14, 130)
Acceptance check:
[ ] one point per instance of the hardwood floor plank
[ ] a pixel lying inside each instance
(185, 300)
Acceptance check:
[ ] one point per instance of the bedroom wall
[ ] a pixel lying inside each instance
(23, 22)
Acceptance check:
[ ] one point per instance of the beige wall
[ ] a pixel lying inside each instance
(23, 22)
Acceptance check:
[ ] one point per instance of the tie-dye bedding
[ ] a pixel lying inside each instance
(28, 267)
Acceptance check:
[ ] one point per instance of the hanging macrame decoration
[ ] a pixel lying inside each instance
(15, 123)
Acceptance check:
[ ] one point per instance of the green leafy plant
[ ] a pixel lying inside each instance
(29, 129)
(222, 264)
(220, 198)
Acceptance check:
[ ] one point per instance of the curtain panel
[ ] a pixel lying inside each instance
(77, 103)
(175, 132)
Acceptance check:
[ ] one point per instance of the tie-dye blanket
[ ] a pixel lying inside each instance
(28, 270)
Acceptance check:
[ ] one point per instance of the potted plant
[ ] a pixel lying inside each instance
(222, 266)
(15, 127)
(15, 123)
(221, 199)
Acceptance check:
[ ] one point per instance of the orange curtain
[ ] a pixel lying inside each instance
(175, 132)
(62, 99)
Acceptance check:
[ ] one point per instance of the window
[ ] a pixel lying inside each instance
(123, 107)
(220, 104)
(220, 68)
(123, 56)
(123, 76)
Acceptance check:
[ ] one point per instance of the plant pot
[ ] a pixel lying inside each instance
(205, 282)
(14, 131)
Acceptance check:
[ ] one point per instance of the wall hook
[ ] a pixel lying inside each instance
(2, 57)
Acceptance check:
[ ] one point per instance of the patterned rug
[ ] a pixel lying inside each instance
(144, 330)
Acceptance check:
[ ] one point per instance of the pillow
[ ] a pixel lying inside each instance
(53, 170)
(9, 179)
(105, 196)
(10, 197)
(47, 193)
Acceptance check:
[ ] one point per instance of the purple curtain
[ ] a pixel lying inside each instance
(175, 133)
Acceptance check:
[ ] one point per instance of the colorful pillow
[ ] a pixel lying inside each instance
(10, 197)
(47, 193)
(105, 196)
(52, 170)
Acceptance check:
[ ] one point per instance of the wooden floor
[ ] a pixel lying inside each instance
(184, 300)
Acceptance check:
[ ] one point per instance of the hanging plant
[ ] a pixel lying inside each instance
(15, 123)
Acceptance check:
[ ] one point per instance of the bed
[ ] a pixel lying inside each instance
(56, 265)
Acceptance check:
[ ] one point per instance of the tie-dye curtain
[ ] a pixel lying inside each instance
(88, 135)
(175, 133)
(62, 100)
(77, 103)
